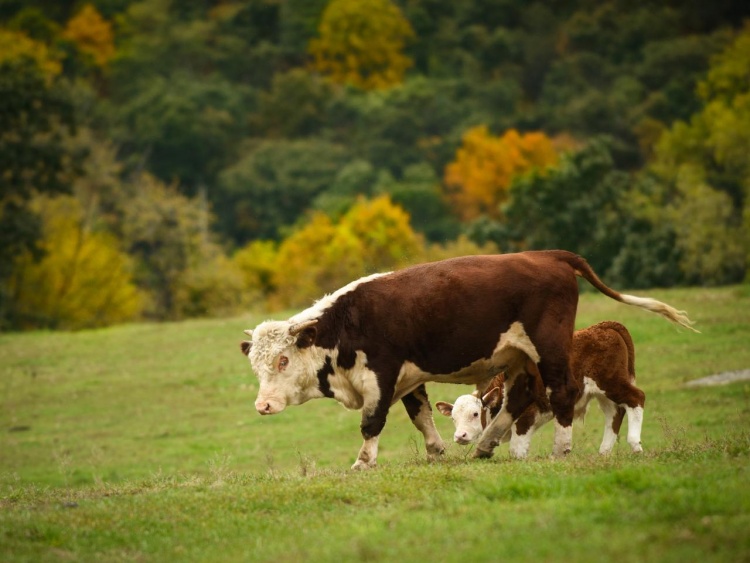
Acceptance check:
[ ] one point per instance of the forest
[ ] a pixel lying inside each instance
(164, 159)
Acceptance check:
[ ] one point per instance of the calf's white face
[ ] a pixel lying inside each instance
(284, 361)
(466, 413)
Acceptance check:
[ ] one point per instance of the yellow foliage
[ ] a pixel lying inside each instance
(374, 235)
(479, 178)
(257, 262)
(462, 246)
(92, 34)
(83, 281)
(361, 43)
(15, 45)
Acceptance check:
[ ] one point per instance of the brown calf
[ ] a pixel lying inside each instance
(603, 364)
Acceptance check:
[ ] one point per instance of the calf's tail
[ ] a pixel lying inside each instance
(582, 269)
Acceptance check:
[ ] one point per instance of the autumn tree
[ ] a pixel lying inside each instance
(362, 43)
(36, 119)
(83, 280)
(478, 179)
(323, 255)
(91, 34)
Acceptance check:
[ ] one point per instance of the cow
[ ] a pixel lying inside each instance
(602, 361)
(379, 339)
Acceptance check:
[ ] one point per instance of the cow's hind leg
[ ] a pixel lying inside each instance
(418, 407)
(521, 390)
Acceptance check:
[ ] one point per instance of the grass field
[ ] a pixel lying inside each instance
(141, 442)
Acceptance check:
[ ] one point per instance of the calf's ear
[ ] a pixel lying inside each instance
(444, 408)
(245, 346)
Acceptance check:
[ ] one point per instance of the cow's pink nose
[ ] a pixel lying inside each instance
(460, 438)
(263, 408)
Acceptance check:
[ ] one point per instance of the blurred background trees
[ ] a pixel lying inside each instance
(164, 159)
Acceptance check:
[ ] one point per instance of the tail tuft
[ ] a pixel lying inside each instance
(669, 313)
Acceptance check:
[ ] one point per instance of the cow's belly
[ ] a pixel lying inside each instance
(512, 350)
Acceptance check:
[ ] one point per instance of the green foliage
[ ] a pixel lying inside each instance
(267, 110)
(575, 205)
(178, 263)
(183, 127)
(272, 185)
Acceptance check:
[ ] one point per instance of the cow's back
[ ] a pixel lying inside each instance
(444, 315)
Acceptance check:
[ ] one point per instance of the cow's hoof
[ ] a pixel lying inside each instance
(637, 448)
(435, 451)
(360, 465)
(482, 454)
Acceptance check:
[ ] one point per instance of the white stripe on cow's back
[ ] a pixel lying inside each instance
(326, 301)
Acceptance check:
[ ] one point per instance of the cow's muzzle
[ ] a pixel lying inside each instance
(265, 407)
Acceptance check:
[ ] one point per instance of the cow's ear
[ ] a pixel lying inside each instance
(306, 337)
(492, 398)
(245, 346)
(444, 408)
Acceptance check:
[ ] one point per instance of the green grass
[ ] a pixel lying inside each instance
(140, 442)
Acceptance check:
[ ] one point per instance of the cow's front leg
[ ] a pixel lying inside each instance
(374, 413)
(418, 407)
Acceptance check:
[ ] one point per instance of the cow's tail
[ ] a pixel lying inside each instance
(583, 270)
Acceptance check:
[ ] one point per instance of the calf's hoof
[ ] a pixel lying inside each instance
(637, 448)
(360, 465)
(482, 454)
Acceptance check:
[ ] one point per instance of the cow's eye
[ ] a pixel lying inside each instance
(283, 362)
(476, 414)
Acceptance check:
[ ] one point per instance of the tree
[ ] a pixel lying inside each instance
(361, 43)
(168, 234)
(92, 35)
(272, 184)
(576, 205)
(36, 117)
(707, 159)
(485, 166)
(83, 279)
(373, 236)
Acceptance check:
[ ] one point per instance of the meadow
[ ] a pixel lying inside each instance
(141, 443)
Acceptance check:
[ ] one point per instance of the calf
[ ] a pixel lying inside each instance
(603, 363)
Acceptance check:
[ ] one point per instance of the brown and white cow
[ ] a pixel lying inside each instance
(379, 339)
(602, 362)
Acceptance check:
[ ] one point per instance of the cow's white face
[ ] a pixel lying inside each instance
(466, 413)
(284, 361)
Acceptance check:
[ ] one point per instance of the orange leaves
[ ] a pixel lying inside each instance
(92, 34)
(485, 166)
(361, 43)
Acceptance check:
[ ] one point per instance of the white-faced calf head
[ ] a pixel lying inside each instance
(281, 357)
(470, 414)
